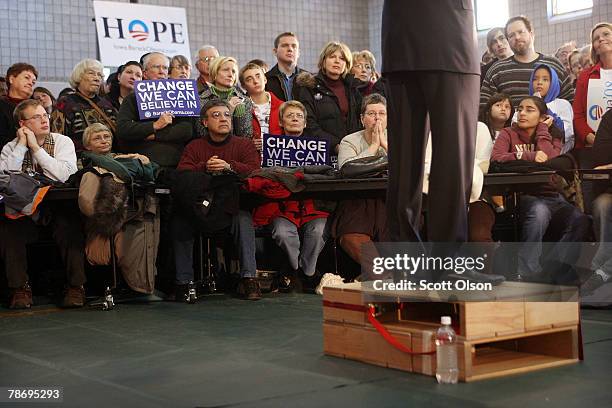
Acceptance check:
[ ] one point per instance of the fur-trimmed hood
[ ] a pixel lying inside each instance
(104, 201)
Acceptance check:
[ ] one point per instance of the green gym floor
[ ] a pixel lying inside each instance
(229, 352)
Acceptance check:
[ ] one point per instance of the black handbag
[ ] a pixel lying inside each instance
(365, 167)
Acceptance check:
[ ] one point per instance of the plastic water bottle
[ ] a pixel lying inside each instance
(447, 371)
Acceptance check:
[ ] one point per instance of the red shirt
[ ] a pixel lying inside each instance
(239, 152)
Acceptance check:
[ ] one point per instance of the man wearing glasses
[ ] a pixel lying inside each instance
(206, 54)
(511, 75)
(162, 140)
(217, 152)
(36, 149)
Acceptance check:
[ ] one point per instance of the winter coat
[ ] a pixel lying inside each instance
(325, 119)
(169, 142)
(276, 83)
(581, 126)
(298, 212)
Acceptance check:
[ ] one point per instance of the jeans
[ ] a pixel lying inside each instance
(537, 214)
(302, 254)
(602, 220)
(183, 237)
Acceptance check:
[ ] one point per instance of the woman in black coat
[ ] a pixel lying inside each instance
(331, 97)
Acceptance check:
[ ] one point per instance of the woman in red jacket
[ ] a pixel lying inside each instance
(601, 55)
(530, 140)
(298, 227)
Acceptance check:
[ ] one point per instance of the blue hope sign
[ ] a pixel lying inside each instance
(176, 96)
(294, 151)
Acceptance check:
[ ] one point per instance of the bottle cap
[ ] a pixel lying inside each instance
(446, 320)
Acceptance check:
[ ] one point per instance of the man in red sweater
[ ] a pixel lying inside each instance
(218, 152)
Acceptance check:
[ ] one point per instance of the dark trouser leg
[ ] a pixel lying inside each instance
(183, 230)
(14, 236)
(246, 245)
(566, 251)
(452, 101)
(68, 235)
(407, 141)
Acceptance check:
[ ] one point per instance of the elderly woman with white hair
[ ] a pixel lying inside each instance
(132, 226)
(85, 106)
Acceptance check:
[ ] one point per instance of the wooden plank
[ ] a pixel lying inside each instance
(343, 295)
(491, 319)
(544, 315)
(498, 363)
(424, 341)
(558, 344)
(366, 345)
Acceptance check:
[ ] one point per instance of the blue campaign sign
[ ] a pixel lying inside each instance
(177, 96)
(294, 151)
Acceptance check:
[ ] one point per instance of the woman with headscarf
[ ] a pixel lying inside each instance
(545, 83)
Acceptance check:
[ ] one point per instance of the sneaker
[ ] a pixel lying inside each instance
(74, 297)
(21, 298)
(248, 289)
(328, 279)
(591, 284)
(290, 283)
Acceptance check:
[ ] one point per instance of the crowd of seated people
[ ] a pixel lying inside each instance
(342, 103)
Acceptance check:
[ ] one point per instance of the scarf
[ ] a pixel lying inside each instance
(226, 95)
(551, 95)
(28, 161)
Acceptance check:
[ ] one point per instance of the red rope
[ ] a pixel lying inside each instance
(371, 314)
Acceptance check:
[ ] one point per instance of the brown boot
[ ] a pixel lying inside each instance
(21, 298)
(74, 297)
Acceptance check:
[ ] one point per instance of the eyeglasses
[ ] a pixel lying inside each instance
(159, 67)
(294, 116)
(373, 114)
(40, 117)
(367, 67)
(218, 114)
(207, 59)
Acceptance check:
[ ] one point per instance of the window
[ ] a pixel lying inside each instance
(558, 7)
(491, 13)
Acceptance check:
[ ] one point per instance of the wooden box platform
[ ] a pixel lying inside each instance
(495, 338)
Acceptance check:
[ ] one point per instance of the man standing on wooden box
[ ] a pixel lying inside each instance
(433, 72)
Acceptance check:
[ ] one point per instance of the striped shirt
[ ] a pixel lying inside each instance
(512, 78)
